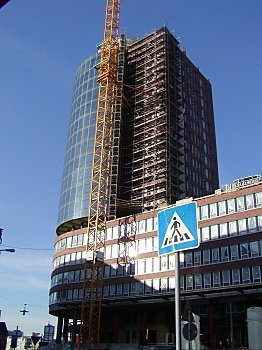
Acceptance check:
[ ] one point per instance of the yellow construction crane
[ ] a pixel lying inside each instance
(99, 191)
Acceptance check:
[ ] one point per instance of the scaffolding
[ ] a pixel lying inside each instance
(152, 162)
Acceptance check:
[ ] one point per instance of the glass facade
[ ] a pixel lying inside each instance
(74, 197)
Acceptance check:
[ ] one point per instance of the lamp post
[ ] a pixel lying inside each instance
(10, 250)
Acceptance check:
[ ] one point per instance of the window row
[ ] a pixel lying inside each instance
(200, 281)
(164, 263)
(221, 254)
(231, 228)
(72, 241)
(238, 204)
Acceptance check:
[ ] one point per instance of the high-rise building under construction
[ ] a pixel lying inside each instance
(164, 145)
(164, 150)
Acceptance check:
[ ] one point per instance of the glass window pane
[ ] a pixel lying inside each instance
(252, 224)
(207, 280)
(163, 285)
(244, 250)
(189, 282)
(236, 276)
(259, 222)
(240, 203)
(205, 233)
(245, 274)
(148, 286)
(215, 255)
(225, 278)
(204, 212)
(188, 259)
(224, 253)
(198, 281)
(259, 199)
(254, 249)
(214, 231)
(222, 208)
(250, 201)
(206, 256)
(223, 230)
(232, 226)
(256, 273)
(231, 205)
(197, 258)
(242, 226)
(213, 210)
(216, 279)
(234, 252)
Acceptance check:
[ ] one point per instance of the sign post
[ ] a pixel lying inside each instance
(177, 231)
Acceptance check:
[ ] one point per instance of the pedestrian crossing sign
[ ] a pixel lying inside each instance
(177, 229)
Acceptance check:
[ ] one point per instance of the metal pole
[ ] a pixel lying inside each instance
(177, 302)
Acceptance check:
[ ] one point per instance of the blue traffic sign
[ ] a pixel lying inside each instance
(178, 229)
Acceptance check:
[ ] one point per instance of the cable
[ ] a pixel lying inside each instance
(27, 248)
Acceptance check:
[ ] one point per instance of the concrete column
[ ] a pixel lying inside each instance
(74, 328)
(211, 314)
(59, 330)
(65, 330)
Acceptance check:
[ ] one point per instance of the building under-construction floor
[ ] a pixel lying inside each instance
(164, 149)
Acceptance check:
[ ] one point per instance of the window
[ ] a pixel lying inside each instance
(112, 290)
(198, 281)
(240, 203)
(222, 208)
(242, 226)
(232, 228)
(223, 229)
(188, 258)
(256, 274)
(156, 263)
(105, 291)
(164, 264)
(141, 226)
(171, 262)
(204, 212)
(254, 249)
(148, 286)
(236, 276)
(246, 275)
(189, 282)
(126, 289)
(259, 199)
(150, 224)
(197, 258)
(156, 286)
(149, 266)
(234, 252)
(231, 206)
(207, 280)
(244, 250)
(224, 253)
(226, 278)
(216, 279)
(119, 290)
(250, 201)
(172, 282)
(206, 256)
(205, 234)
(214, 231)
(215, 255)
(252, 224)
(213, 210)
(163, 285)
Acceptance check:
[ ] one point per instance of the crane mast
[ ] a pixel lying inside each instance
(99, 188)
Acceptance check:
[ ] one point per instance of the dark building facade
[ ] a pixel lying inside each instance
(164, 150)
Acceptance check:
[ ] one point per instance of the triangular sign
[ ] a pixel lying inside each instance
(176, 232)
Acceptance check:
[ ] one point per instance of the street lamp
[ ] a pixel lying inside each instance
(10, 250)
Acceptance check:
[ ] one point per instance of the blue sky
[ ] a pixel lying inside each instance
(41, 45)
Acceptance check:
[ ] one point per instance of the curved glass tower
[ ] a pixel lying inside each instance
(75, 187)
